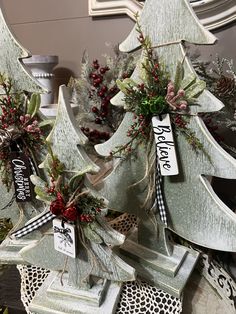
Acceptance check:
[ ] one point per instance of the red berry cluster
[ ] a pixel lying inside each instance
(180, 122)
(155, 72)
(31, 128)
(12, 114)
(95, 135)
(101, 91)
(70, 211)
(141, 38)
(89, 217)
(126, 75)
(139, 127)
(86, 218)
(138, 131)
(9, 114)
(51, 190)
(145, 44)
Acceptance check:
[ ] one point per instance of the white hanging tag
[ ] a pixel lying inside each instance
(64, 238)
(165, 145)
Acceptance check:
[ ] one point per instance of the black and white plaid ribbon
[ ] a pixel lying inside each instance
(159, 195)
(34, 225)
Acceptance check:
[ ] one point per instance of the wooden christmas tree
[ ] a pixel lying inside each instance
(193, 209)
(21, 136)
(65, 139)
(95, 256)
(11, 67)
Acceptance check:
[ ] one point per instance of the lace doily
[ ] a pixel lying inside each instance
(136, 297)
(32, 278)
(142, 298)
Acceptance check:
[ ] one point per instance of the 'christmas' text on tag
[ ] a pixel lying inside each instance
(21, 172)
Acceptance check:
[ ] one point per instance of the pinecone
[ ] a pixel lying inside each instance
(225, 87)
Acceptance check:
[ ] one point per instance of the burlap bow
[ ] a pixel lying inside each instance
(8, 135)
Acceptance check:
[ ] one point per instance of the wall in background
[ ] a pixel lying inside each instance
(63, 28)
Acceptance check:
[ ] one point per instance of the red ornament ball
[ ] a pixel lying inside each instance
(57, 206)
(70, 213)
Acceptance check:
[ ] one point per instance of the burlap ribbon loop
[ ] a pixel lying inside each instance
(9, 135)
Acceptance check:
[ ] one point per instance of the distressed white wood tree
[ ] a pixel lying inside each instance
(98, 259)
(194, 210)
(11, 55)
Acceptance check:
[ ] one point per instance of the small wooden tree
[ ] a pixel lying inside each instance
(11, 66)
(21, 136)
(95, 256)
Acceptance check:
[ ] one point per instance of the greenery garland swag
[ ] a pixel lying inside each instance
(157, 94)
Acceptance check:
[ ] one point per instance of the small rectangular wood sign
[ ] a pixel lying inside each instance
(21, 172)
(64, 238)
(165, 146)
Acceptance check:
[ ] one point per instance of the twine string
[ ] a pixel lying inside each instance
(21, 217)
(63, 270)
(95, 261)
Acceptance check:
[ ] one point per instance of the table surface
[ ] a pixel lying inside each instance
(10, 291)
